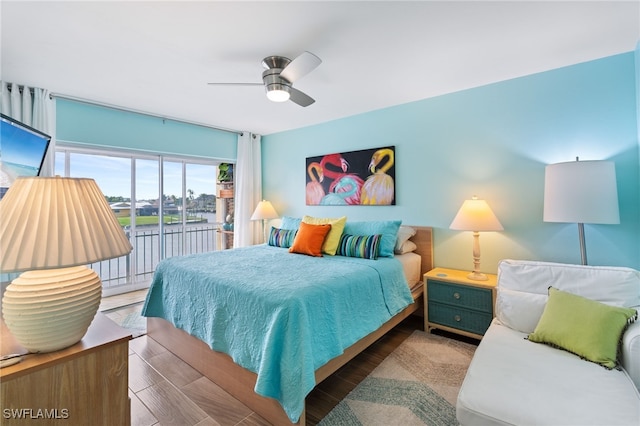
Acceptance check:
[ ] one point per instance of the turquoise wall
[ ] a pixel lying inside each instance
(494, 142)
(83, 123)
(638, 103)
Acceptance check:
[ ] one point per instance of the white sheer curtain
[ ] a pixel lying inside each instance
(33, 107)
(248, 181)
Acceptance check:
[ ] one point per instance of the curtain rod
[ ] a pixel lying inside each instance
(150, 114)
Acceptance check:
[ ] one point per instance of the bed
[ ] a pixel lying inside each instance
(270, 348)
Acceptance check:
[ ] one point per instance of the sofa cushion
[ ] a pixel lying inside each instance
(516, 382)
(631, 352)
(587, 328)
(520, 310)
(522, 288)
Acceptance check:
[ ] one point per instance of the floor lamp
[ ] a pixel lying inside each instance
(264, 211)
(476, 216)
(581, 192)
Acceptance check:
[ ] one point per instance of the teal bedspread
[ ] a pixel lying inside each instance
(278, 314)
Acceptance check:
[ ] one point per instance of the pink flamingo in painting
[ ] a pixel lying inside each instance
(337, 161)
(378, 188)
(345, 188)
(315, 191)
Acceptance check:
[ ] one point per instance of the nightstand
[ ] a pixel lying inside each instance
(455, 303)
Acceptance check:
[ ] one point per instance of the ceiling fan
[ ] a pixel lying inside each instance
(279, 75)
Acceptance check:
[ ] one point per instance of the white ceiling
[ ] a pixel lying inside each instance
(157, 56)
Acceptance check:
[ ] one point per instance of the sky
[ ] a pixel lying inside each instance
(113, 175)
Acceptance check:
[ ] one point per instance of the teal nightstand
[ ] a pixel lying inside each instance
(455, 303)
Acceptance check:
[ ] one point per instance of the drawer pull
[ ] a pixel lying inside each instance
(456, 295)
(457, 318)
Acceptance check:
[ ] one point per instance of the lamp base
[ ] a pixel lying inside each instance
(477, 276)
(48, 310)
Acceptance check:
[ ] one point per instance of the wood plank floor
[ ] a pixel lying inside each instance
(166, 391)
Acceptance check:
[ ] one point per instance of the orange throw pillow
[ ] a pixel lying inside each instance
(309, 239)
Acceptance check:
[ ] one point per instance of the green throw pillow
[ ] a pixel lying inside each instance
(589, 329)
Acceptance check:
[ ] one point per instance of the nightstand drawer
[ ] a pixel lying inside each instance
(459, 318)
(475, 298)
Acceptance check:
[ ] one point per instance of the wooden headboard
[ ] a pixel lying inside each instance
(424, 240)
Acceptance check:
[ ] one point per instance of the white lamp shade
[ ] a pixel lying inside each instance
(581, 192)
(264, 210)
(475, 215)
(54, 222)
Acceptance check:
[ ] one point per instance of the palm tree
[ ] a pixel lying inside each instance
(190, 198)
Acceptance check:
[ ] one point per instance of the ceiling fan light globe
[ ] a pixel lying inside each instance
(278, 93)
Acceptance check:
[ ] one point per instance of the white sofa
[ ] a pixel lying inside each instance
(513, 381)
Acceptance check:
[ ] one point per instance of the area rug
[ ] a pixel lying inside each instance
(417, 384)
(129, 317)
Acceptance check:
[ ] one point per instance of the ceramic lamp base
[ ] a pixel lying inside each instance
(48, 310)
(478, 276)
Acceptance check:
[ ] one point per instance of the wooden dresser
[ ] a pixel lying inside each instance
(84, 384)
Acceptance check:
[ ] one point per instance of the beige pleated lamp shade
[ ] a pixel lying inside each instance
(55, 222)
(264, 210)
(475, 215)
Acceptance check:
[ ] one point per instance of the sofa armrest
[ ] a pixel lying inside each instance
(630, 352)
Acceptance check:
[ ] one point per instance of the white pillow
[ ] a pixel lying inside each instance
(613, 285)
(407, 247)
(519, 310)
(523, 288)
(404, 233)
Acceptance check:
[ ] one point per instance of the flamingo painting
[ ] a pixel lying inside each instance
(344, 188)
(379, 186)
(366, 176)
(314, 191)
(338, 162)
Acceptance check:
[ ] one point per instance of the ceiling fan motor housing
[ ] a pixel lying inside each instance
(279, 62)
(277, 88)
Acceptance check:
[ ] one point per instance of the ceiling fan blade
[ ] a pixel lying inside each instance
(300, 98)
(236, 84)
(300, 66)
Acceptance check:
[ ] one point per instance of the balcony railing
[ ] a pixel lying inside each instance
(198, 238)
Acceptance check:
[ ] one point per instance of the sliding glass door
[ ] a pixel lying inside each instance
(180, 221)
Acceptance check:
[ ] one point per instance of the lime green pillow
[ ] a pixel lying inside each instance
(585, 327)
(330, 245)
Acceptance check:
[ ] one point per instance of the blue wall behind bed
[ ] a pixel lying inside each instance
(494, 142)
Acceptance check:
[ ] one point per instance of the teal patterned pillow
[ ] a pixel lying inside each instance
(388, 229)
(282, 237)
(364, 246)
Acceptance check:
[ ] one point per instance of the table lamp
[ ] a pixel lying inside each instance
(264, 211)
(581, 192)
(476, 216)
(51, 228)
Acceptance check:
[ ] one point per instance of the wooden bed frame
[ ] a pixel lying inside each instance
(239, 382)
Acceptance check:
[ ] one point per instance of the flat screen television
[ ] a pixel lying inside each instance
(22, 151)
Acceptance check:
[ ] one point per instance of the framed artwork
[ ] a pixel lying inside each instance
(366, 177)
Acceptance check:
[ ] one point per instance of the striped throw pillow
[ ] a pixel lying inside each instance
(281, 237)
(364, 246)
